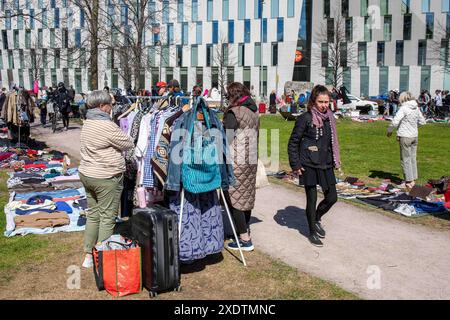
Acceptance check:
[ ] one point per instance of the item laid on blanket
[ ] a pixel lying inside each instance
(42, 220)
(447, 197)
(351, 180)
(420, 192)
(117, 267)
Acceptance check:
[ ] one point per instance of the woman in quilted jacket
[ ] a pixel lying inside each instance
(241, 122)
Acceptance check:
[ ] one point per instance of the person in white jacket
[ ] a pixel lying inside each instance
(406, 121)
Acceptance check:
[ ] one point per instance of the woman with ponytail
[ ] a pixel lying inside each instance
(313, 154)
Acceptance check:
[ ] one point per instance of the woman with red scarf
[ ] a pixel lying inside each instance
(313, 153)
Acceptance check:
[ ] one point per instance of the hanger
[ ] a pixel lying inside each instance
(133, 107)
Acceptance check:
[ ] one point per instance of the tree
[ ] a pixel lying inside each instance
(223, 58)
(337, 53)
(439, 47)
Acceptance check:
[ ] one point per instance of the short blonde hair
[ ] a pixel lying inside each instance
(405, 97)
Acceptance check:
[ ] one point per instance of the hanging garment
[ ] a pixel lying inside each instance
(202, 225)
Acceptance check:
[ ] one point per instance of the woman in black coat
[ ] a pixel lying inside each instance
(313, 153)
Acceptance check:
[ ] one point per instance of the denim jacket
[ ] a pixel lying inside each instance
(173, 182)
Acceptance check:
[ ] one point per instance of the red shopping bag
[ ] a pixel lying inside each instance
(119, 272)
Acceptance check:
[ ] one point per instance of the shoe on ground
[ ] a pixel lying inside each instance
(245, 245)
(315, 240)
(319, 230)
(88, 261)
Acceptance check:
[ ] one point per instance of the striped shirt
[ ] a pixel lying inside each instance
(102, 144)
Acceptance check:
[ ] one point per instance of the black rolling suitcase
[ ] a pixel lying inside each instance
(156, 230)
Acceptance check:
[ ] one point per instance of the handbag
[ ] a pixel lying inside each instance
(118, 271)
(200, 169)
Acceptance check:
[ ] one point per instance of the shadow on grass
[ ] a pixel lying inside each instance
(293, 218)
(385, 175)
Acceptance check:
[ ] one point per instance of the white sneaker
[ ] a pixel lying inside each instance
(88, 261)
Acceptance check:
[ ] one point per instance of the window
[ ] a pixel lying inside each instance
(349, 29)
(343, 54)
(32, 24)
(16, 39)
(44, 18)
(407, 20)
(274, 53)
(40, 38)
(184, 79)
(231, 31)
(194, 10)
(264, 30)
(291, 8)
(241, 9)
(257, 57)
(328, 76)
(8, 19)
(247, 31)
(57, 59)
(215, 32)
(194, 56)
(166, 12)
(241, 54)
(179, 56)
(445, 5)
(20, 20)
(274, 9)
(165, 55)
(247, 77)
(225, 9)
(367, 29)
(384, 7)
(406, 6)
(362, 54)
(380, 53)
(5, 39)
(330, 30)
(425, 78)
(198, 32)
(347, 78)
(170, 33)
(422, 56)
(52, 38)
(257, 9)
(364, 7)
(364, 81)
(280, 29)
(430, 25)
(151, 56)
(210, 12)
(78, 83)
(180, 11)
(28, 39)
(10, 59)
(184, 33)
(384, 80)
(326, 8)
(52, 4)
(65, 38)
(399, 53)
(425, 6)
(404, 79)
(82, 18)
(78, 38)
(344, 8)
(225, 53)
(199, 76)
(56, 18)
(21, 59)
(324, 55)
(230, 75)
(387, 28)
(209, 55)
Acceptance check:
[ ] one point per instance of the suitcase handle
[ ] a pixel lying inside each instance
(171, 251)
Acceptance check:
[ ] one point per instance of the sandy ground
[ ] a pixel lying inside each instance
(371, 255)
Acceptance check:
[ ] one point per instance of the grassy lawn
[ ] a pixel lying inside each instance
(367, 153)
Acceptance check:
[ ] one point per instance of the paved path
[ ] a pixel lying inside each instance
(411, 262)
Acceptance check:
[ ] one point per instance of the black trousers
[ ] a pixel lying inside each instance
(241, 218)
(65, 118)
(43, 115)
(315, 214)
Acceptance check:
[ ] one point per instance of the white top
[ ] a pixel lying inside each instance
(407, 120)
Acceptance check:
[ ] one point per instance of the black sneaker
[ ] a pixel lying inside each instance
(315, 240)
(319, 230)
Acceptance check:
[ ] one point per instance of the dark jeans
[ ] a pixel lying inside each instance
(314, 214)
(43, 116)
(241, 220)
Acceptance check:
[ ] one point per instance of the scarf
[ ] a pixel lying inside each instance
(97, 114)
(318, 119)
